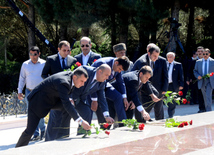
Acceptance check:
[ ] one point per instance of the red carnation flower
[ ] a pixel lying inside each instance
(211, 74)
(78, 64)
(95, 60)
(185, 123)
(190, 122)
(107, 132)
(180, 93)
(141, 126)
(105, 125)
(184, 101)
(181, 125)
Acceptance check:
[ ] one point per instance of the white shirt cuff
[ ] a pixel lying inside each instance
(78, 119)
(94, 99)
(140, 108)
(124, 96)
(106, 113)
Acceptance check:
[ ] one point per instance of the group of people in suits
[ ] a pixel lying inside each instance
(113, 87)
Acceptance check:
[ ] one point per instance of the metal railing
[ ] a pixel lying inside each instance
(11, 105)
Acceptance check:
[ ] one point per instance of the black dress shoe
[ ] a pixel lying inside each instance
(200, 111)
(42, 136)
(35, 138)
(150, 120)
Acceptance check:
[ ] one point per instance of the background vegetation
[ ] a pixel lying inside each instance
(108, 22)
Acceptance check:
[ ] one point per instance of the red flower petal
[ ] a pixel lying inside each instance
(180, 93)
(78, 64)
(107, 132)
(184, 101)
(190, 122)
(95, 60)
(141, 126)
(105, 125)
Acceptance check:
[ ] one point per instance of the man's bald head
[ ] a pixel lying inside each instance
(103, 72)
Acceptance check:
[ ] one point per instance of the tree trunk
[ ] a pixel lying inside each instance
(31, 33)
(175, 14)
(123, 32)
(63, 32)
(190, 41)
(113, 29)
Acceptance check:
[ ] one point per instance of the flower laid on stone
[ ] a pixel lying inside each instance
(132, 123)
(173, 123)
(107, 132)
(184, 101)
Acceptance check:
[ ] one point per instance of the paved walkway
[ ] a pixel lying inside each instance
(121, 140)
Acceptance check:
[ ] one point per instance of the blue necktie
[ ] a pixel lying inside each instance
(205, 68)
(63, 63)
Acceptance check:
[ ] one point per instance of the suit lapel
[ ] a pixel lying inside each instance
(147, 60)
(58, 62)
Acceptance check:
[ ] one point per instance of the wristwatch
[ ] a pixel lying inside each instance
(106, 116)
(80, 122)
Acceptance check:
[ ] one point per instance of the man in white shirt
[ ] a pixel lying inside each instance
(30, 75)
(87, 57)
(175, 79)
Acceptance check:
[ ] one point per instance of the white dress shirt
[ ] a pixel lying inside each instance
(30, 74)
(170, 70)
(85, 58)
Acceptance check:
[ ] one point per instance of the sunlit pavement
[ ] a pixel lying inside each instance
(154, 139)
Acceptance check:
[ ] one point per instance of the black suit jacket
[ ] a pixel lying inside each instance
(53, 93)
(160, 73)
(80, 94)
(91, 59)
(177, 76)
(132, 82)
(190, 74)
(53, 65)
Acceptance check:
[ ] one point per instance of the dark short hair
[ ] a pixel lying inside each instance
(153, 48)
(34, 48)
(124, 62)
(80, 71)
(146, 69)
(64, 42)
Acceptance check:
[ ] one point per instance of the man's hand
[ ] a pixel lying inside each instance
(20, 96)
(109, 120)
(163, 92)
(180, 88)
(132, 106)
(94, 105)
(154, 98)
(187, 82)
(199, 77)
(85, 125)
(72, 101)
(145, 115)
(126, 103)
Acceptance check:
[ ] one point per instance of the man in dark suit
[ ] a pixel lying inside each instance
(51, 93)
(175, 78)
(160, 75)
(117, 96)
(134, 80)
(196, 94)
(83, 98)
(87, 57)
(54, 64)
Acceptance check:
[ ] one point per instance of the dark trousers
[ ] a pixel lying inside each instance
(32, 123)
(171, 106)
(55, 118)
(146, 101)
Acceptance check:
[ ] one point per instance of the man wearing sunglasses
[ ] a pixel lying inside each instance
(54, 64)
(87, 57)
(203, 67)
(30, 75)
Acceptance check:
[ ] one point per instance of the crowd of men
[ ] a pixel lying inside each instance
(112, 87)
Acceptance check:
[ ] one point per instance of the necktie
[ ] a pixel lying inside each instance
(153, 65)
(205, 67)
(63, 63)
(93, 84)
(139, 86)
(169, 66)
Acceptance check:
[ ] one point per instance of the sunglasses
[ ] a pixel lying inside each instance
(205, 53)
(87, 45)
(33, 54)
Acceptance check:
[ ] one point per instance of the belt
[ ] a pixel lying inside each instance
(29, 89)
